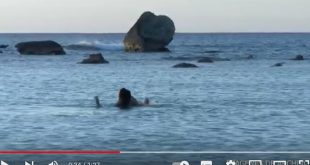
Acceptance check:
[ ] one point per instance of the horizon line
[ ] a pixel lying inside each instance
(241, 32)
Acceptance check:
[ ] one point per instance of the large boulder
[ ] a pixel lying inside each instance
(95, 59)
(185, 65)
(40, 48)
(150, 33)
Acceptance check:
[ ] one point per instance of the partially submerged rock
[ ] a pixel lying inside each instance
(185, 65)
(205, 60)
(1, 51)
(40, 48)
(150, 33)
(298, 58)
(3, 46)
(278, 64)
(95, 59)
(212, 51)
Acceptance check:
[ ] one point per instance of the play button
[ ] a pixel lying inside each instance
(3, 163)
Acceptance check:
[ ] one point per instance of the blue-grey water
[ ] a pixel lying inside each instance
(46, 102)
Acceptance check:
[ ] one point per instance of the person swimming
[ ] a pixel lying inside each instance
(126, 100)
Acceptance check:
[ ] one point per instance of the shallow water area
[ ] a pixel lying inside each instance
(48, 102)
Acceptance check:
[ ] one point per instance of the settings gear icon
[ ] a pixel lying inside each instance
(230, 162)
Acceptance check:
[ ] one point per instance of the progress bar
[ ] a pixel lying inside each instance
(58, 152)
(111, 152)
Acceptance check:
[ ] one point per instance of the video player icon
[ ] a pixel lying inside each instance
(53, 163)
(27, 163)
(184, 163)
(4, 163)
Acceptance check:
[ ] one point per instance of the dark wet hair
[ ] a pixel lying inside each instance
(124, 98)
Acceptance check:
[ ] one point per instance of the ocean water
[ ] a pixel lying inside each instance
(47, 102)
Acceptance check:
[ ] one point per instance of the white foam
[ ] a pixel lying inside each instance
(101, 45)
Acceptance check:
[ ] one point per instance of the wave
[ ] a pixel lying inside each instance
(94, 46)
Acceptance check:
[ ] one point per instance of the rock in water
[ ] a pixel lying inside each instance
(40, 48)
(1, 51)
(278, 64)
(150, 33)
(3, 46)
(185, 65)
(298, 58)
(205, 60)
(212, 51)
(95, 59)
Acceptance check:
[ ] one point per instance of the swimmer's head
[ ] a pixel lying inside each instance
(124, 98)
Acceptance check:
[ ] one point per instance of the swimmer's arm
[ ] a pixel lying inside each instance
(146, 101)
(135, 102)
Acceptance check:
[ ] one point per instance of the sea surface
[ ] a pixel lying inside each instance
(47, 102)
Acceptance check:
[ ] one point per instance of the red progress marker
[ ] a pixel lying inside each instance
(58, 152)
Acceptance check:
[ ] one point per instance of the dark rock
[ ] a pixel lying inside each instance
(212, 51)
(1, 51)
(3, 46)
(185, 65)
(95, 59)
(82, 47)
(298, 58)
(40, 48)
(278, 64)
(205, 60)
(150, 33)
